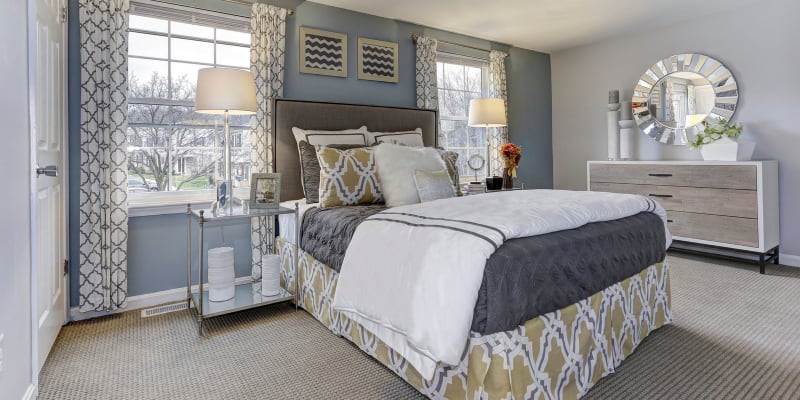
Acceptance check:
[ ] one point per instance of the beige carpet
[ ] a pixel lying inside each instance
(735, 336)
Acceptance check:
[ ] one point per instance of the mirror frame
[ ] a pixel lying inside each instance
(720, 77)
(476, 156)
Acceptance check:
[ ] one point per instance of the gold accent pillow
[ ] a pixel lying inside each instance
(348, 177)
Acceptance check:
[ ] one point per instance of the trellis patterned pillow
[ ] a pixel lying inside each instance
(309, 168)
(348, 177)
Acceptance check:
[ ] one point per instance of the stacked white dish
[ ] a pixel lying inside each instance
(270, 275)
(221, 276)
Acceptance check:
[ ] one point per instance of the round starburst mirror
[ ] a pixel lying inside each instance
(673, 98)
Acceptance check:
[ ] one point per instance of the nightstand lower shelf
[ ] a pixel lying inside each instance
(247, 295)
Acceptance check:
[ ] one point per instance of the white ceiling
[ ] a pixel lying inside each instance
(542, 25)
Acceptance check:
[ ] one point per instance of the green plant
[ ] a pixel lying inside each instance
(712, 133)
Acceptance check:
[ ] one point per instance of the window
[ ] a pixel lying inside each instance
(170, 147)
(460, 80)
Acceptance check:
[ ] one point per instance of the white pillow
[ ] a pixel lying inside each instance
(323, 138)
(434, 185)
(405, 138)
(396, 168)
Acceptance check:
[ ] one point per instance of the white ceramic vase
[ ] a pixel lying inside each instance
(727, 149)
(613, 131)
(626, 134)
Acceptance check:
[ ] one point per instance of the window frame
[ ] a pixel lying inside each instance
(170, 202)
(457, 59)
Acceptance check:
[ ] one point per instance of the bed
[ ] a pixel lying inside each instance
(554, 312)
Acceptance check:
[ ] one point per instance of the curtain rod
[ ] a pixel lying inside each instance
(289, 11)
(414, 37)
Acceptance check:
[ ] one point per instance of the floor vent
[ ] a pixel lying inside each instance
(168, 308)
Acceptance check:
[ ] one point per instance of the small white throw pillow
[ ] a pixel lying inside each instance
(396, 168)
(434, 185)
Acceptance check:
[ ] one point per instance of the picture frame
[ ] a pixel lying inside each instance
(265, 191)
(222, 194)
(323, 52)
(378, 60)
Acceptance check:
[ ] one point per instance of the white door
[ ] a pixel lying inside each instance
(48, 77)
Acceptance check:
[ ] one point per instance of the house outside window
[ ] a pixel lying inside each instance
(173, 150)
(461, 79)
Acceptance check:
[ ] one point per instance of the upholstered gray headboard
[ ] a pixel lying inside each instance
(336, 116)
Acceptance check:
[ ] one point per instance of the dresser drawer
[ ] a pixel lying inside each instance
(707, 176)
(714, 228)
(729, 202)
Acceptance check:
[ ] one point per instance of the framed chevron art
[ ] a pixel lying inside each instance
(323, 52)
(377, 60)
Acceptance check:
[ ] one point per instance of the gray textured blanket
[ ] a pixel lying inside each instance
(525, 277)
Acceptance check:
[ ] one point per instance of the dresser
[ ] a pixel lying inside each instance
(730, 205)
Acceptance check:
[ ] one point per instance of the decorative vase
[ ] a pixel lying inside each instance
(727, 149)
(613, 124)
(613, 132)
(626, 134)
(508, 180)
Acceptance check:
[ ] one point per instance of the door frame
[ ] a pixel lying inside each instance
(63, 176)
(31, 10)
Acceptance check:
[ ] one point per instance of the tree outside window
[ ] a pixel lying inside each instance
(170, 147)
(460, 80)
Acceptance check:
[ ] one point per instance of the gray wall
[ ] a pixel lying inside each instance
(15, 244)
(529, 110)
(758, 43)
(156, 252)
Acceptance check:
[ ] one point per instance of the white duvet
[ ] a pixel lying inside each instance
(411, 274)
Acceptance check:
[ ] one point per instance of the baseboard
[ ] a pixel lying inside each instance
(144, 301)
(30, 394)
(178, 294)
(790, 260)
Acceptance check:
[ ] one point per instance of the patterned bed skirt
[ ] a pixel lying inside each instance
(559, 355)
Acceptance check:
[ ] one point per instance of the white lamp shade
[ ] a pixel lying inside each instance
(225, 89)
(490, 113)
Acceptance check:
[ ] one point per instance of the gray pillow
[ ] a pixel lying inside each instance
(433, 185)
(309, 167)
(451, 161)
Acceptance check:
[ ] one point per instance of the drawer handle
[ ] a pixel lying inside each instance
(660, 195)
(670, 221)
(661, 175)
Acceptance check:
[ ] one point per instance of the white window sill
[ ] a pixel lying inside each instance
(164, 203)
(146, 210)
(149, 204)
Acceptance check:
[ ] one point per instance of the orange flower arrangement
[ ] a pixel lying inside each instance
(511, 155)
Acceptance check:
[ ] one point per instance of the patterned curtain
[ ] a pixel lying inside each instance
(267, 53)
(103, 215)
(497, 89)
(427, 90)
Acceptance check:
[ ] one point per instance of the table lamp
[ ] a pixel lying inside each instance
(226, 91)
(487, 113)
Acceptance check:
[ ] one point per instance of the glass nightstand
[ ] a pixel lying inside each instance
(247, 295)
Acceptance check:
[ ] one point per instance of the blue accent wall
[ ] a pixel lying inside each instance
(156, 244)
(350, 89)
(530, 115)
